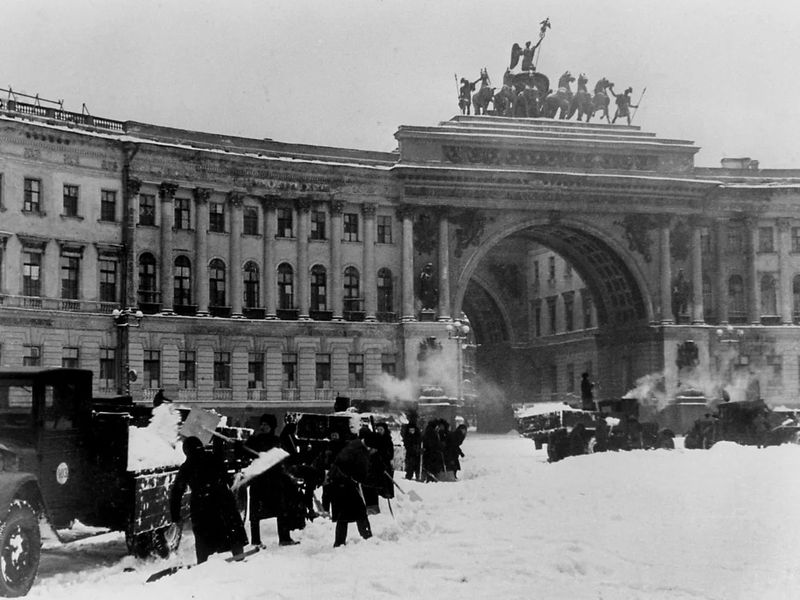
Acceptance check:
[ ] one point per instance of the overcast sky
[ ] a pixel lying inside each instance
(347, 73)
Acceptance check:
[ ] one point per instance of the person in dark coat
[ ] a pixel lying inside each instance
(432, 451)
(273, 493)
(216, 523)
(323, 463)
(412, 441)
(453, 451)
(383, 460)
(348, 473)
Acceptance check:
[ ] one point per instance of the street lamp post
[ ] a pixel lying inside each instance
(124, 320)
(458, 330)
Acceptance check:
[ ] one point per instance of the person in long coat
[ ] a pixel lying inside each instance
(432, 451)
(412, 441)
(349, 471)
(453, 452)
(273, 493)
(216, 522)
(383, 460)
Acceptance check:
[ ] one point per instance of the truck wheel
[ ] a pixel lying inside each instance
(167, 539)
(20, 549)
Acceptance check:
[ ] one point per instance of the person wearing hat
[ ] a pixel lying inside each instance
(350, 470)
(216, 523)
(271, 493)
(623, 104)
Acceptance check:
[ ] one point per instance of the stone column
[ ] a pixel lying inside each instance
(444, 267)
(407, 264)
(166, 193)
(303, 289)
(201, 196)
(337, 305)
(751, 283)
(665, 258)
(269, 285)
(786, 296)
(369, 289)
(721, 280)
(130, 272)
(235, 201)
(698, 310)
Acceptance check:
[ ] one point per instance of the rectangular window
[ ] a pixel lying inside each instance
(536, 273)
(551, 268)
(551, 314)
(355, 371)
(147, 209)
(70, 357)
(553, 379)
(285, 222)
(255, 370)
(567, 270)
(705, 242)
(31, 356)
(70, 276)
(735, 239)
(384, 229)
(216, 217)
(569, 310)
(537, 319)
(250, 220)
(350, 227)
(151, 378)
(70, 200)
(323, 371)
(587, 309)
(289, 363)
(186, 368)
(32, 199)
(108, 368)
(318, 219)
(31, 273)
(222, 370)
(108, 279)
(2, 198)
(796, 239)
(108, 205)
(183, 213)
(766, 239)
(389, 364)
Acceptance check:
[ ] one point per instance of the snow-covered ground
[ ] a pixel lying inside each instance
(685, 524)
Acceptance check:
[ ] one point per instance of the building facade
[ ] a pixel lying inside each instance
(255, 275)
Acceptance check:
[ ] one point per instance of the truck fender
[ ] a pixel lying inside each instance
(22, 486)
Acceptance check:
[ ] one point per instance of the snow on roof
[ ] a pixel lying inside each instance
(541, 408)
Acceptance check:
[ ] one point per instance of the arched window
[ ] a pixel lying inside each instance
(352, 290)
(385, 304)
(183, 281)
(216, 283)
(319, 288)
(285, 286)
(148, 285)
(769, 298)
(736, 306)
(250, 285)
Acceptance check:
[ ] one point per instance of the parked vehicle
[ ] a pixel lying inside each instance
(748, 422)
(64, 459)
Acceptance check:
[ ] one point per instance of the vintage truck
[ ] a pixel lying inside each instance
(746, 422)
(64, 459)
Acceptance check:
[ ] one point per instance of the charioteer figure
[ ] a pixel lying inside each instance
(624, 104)
(465, 94)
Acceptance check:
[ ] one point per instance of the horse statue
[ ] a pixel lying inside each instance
(504, 102)
(600, 101)
(482, 98)
(559, 101)
(527, 103)
(582, 101)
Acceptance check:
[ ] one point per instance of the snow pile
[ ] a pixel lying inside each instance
(264, 462)
(650, 525)
(543, 408)
(156, 446)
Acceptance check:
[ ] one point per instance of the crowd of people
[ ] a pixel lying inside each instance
(352, 474)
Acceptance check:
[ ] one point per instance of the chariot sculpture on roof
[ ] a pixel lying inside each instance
(526, 92)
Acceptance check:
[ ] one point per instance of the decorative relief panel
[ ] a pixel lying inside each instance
(538, 158)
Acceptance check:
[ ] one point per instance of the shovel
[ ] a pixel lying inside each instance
(412, 495)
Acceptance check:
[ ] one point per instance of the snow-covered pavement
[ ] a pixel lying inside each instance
(718, 524)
